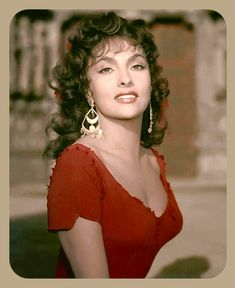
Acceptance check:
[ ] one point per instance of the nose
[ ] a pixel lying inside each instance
(124, 79)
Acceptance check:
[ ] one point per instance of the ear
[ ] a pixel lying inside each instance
(90, 98)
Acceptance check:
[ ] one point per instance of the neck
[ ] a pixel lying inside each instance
(122, 136)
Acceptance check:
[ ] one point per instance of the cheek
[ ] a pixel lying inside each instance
(96, 88)
(101, 94)
(99, 84)
(146, 84)
(144, 80)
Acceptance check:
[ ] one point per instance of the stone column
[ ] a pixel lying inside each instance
(210, 91)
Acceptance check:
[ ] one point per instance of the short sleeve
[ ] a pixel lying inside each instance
(74, 190)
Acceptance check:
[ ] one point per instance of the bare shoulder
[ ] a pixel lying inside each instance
(91, 143)
(83, 140)
(88, 142)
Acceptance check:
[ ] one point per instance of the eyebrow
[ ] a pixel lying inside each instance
(112, 60)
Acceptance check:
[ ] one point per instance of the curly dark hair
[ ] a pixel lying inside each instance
(72, 84)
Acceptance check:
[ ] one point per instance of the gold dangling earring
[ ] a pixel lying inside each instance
(90, 123)
(150, 129)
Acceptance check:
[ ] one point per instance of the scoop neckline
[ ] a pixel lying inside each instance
(138, 200)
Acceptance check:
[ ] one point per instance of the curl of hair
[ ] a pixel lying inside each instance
(72, 84)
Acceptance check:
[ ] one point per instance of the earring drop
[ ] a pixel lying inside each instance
(150, 129)
(90, 123)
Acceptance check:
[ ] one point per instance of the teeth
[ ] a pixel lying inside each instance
(126, 97)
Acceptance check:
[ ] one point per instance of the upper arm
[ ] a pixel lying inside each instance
(74, 204)
(84, 248)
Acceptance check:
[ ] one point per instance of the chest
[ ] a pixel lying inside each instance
(129, 222)
(140, 181)
(134, 225)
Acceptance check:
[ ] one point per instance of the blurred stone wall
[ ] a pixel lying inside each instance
(192, 49)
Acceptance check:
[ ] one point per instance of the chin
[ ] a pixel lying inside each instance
(129, 115)
(124, 112)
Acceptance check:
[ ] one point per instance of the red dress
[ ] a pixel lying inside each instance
(81, 185)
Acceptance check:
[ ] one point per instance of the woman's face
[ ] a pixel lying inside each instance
(120, 80)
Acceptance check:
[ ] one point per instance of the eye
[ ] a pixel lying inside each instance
(105, 70)
(138, 67)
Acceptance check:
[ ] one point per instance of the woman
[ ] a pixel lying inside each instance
(108, 198)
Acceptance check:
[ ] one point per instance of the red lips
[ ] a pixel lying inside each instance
(126, 93)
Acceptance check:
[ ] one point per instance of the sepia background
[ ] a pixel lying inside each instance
(192, 46)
